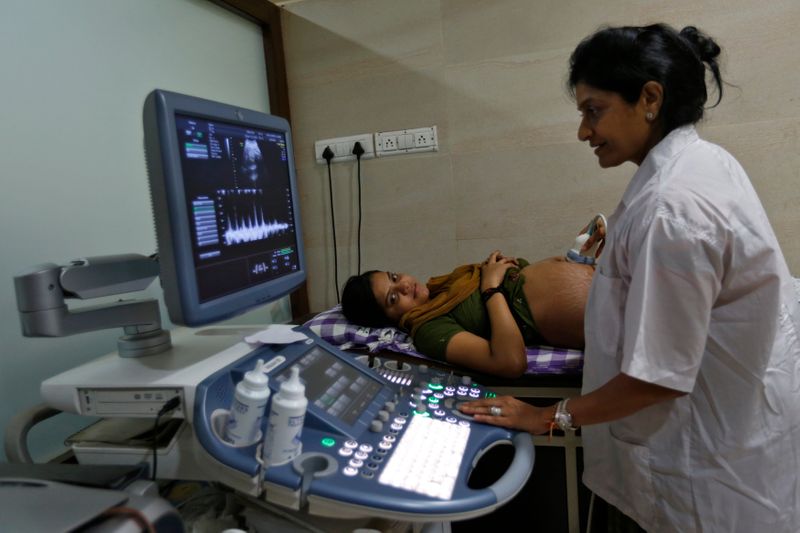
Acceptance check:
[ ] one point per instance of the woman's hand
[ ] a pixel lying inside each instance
(597, 230)
(513, 414)
(493, 270)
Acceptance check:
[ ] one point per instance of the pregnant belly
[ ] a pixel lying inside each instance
(556, 291)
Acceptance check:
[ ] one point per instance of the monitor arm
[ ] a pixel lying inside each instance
(42, 289)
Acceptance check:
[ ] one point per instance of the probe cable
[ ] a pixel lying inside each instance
(169, 406)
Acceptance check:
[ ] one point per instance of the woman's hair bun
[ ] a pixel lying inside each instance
(706, 48)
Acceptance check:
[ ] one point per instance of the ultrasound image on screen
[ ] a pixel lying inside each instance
(236, 181)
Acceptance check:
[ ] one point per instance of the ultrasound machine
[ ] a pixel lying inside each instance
(377, 442)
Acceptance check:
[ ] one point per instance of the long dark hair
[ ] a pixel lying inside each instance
(623, 59)
(359, 305)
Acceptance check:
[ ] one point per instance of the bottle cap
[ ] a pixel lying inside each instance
(293, 388)
(256, 379)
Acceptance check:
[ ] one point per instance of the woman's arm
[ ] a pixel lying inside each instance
(623, 395)
(504, 354)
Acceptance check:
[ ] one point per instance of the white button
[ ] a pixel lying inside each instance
(349, 471)
(365, 448)
(345, 452)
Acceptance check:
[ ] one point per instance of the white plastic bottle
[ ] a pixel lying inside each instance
(247, 409)
(288, 411)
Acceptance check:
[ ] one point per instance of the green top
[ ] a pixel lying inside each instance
(470, 315)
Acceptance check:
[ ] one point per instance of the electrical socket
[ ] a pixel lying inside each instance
(406, 141)
(426, 137)
(342, 148)
(388, 143)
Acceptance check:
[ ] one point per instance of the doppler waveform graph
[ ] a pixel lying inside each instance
(250, 225)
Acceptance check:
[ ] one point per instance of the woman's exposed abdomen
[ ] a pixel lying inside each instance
(556, 291)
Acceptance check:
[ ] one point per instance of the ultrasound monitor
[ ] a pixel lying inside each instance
(224, 196)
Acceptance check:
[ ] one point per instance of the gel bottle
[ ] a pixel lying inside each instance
(282, 442)
(247, 409)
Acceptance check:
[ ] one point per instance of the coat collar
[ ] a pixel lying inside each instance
(657, 157)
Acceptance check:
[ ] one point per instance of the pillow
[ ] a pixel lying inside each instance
(333, 327)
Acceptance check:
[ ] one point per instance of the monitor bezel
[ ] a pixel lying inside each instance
(170, 209)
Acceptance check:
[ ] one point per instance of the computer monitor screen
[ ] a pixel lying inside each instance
(224, 197)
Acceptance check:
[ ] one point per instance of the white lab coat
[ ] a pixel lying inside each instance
(692, 292)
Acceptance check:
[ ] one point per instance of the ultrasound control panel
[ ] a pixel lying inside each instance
(380, 438)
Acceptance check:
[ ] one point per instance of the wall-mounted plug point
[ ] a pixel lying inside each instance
(342, 148)
(406, 141)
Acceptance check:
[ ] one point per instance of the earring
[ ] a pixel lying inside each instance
(649, 116)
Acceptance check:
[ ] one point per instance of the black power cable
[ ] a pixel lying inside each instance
(169, 406)
(327, 155)
(358, 151)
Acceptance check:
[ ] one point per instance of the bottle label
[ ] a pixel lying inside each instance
(283, 439)
(240, 407)
(244, 422)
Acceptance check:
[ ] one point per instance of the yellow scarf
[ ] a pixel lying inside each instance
(446, 292)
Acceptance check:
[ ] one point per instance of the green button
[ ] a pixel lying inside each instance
(328, 442)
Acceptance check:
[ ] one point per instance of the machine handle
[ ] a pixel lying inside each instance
(16, 435)
(515, 477)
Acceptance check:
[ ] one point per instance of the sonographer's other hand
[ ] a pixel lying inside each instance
(493, 270)
(508, 412)
(598, 235)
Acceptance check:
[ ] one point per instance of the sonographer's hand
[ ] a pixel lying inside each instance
(508, 412)
(493, 270)
(598, 235)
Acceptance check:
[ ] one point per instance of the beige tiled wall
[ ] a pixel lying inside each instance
(510, 173)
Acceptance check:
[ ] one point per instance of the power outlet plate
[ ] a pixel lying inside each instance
(406, 141)
(343, 148)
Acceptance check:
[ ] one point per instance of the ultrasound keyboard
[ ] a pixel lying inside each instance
(381, 440)
(428, 458)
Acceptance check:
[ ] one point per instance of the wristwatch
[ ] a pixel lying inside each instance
(563, 418)
(488, 293)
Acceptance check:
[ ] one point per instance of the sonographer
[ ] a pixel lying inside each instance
(691, 388)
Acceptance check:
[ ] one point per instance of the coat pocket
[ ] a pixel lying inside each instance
(605, 315)
(634, 479)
